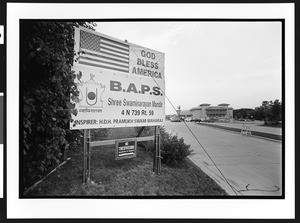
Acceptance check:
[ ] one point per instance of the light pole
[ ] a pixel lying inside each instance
(178, 111)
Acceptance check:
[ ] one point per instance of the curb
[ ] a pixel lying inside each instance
(263, 135)
(214, 176)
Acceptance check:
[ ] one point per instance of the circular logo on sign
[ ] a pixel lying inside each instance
(91, 95)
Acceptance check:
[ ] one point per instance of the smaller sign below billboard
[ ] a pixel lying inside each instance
(126, 149)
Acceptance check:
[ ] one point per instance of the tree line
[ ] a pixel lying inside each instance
(269, 111)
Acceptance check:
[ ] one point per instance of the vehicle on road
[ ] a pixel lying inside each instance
(194, 119)
(175, 119)
(208, 120)
(188, 119)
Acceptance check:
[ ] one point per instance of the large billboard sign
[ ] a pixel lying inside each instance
(120, 84)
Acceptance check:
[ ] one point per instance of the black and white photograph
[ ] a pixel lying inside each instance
(118, 91)
(129, 112)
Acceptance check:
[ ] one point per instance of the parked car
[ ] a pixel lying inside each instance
(175, 119)
(188, 119)
(209, 120)
(195, 120)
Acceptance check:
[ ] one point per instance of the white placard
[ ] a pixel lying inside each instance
(146, 62)
(107, 99)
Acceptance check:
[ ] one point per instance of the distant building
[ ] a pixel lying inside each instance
(207, 111)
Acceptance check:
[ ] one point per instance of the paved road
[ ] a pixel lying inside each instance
(251, 165)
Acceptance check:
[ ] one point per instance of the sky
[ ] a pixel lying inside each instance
(238, 63)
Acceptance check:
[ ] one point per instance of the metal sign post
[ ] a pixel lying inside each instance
(86, 155)
(158, 152)
(157, 157)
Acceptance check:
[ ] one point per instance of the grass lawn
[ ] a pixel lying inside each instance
(279, 125)
(128, 177)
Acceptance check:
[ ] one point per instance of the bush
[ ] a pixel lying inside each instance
(98, 134)
(173, 149)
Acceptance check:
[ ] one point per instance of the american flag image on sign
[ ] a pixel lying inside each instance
(102, 52)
